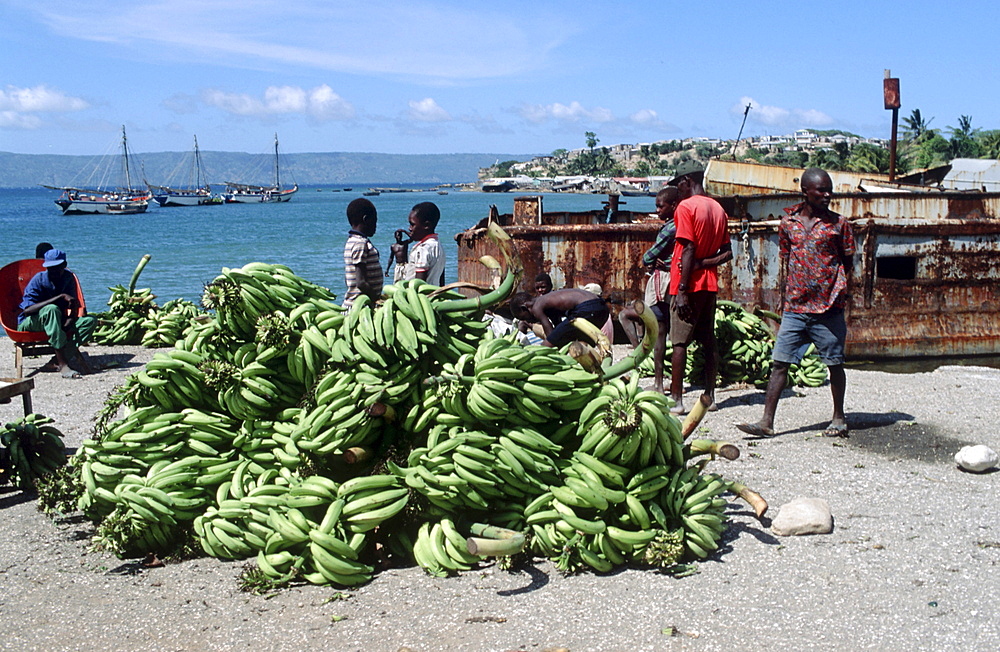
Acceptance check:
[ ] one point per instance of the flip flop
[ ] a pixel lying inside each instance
(755, 430)
(836, 431)
(69, 373)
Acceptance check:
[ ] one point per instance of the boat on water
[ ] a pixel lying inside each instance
(195, 193)
(246, 193)
(121, 199)
(926, 274)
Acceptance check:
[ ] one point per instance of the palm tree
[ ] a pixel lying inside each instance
(914, 127)
(962, 143)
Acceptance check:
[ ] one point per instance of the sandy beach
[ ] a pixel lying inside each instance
(912, 562)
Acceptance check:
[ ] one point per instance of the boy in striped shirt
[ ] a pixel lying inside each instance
(362, 269)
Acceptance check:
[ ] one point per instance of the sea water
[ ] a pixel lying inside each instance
(190, 245)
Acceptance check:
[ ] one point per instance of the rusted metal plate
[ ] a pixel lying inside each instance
(926, 276)
(727, 178)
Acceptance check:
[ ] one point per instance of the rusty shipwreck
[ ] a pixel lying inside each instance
(926, 277)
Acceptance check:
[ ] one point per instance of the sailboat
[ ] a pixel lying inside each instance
(242, 193)
(120, 200)
(196, 193)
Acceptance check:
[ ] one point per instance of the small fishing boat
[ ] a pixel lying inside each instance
(246, 193)
(195, 193)
(118, 200)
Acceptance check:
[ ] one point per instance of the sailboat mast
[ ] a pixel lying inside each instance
(128, 175)
(197, 164)
(277, 178)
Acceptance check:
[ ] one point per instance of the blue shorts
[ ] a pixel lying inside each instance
(827, 330)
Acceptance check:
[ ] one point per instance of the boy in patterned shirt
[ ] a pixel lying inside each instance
(362, 269)
(816, 247)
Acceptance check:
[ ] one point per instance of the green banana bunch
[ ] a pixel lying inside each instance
(164, 326)
(34, 449)
(630, 427)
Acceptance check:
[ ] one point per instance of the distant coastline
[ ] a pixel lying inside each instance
(310, 169)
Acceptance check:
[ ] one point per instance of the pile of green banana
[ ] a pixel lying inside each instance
(122, 322)
(33, 449)
(745, 343)
(164, 325)
(315, 440)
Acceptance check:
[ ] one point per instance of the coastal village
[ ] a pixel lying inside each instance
(643, 168)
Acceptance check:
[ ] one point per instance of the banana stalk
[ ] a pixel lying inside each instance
(596, 336)
(754, 499)
(645, 347)
(713, 447)
(358, 454)
(494, 541)
(696, 414)
(135, 274)
(514, 272)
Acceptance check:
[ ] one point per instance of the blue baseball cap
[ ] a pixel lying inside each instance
(54, 257)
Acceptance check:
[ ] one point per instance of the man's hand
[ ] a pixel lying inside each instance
(682, 306)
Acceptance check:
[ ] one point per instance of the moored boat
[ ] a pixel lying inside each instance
(246, 193)
(196, 193)
(123, 199)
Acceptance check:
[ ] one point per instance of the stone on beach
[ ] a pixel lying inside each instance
(803, 516)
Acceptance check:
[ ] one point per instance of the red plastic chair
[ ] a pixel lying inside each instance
(14, 277)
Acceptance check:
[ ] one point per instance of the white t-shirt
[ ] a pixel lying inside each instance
(427, 255)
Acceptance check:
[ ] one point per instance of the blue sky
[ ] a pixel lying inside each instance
(442, 76)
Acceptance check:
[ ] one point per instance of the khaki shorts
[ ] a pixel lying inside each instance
(702, 322)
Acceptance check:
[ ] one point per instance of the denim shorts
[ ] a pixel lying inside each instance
(827, 330)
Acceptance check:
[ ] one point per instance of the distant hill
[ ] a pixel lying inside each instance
(334, 168)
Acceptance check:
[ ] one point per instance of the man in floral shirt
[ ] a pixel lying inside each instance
(816, 247)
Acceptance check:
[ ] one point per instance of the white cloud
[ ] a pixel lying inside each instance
(429, 39)
(320, 103)
(572, 112)
(40, 99)
(15, 120)
(427, 110)
(776, 116)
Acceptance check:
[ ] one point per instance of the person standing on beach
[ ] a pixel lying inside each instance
(816, 249)
(426, 260)
(657, 297)
(702, 245)
(362, 268)
(48, 300)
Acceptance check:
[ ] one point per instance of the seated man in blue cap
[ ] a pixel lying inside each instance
(49, 298)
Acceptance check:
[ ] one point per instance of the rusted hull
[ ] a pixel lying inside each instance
(926, 276)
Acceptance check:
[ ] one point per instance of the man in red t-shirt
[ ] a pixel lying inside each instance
(702, 245)
(816, 247)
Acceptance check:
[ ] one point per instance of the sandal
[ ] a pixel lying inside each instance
(839, 430)
(755, 430)
(69, 373)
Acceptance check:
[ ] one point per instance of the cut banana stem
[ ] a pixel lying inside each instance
(713, 447)
(495, 547)
(696, 414)
(595, 334)
(753, 498)
(382, 410)
(586, 355)
(645, 347)
(501, 541)
(138, 270)
(357, 454)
